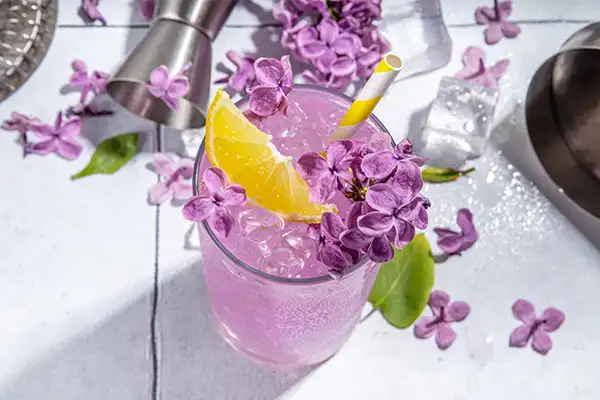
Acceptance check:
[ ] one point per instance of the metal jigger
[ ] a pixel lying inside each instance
(182, 32)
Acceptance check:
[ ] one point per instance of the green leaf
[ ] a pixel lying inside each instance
(441, 175)
(110, 155)
(403, 285)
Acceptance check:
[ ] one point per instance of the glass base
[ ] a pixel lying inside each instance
(231, 339)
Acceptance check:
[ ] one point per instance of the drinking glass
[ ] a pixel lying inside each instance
(290, 322)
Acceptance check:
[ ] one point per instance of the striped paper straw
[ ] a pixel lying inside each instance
(369, 97)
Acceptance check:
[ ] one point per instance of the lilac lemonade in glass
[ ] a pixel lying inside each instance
(281, 306)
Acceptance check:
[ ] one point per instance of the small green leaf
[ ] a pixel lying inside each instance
(403, 285)
(441, 175)
(110, 155)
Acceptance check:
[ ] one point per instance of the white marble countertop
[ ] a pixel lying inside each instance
(85, 263)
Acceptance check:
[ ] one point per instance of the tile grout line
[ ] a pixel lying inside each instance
(154, 339)
(528, 22)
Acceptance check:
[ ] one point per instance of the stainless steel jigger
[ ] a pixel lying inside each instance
(563, 117)
(182, 32)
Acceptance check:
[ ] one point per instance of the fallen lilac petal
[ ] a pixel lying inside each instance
(519, 337)
(542, 343)
(90, 9)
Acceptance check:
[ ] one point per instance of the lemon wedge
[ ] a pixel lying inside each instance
(249, 158)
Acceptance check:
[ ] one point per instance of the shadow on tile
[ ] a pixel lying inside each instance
(110, 362)
(196, 362)
(264, 14)
(113, 360)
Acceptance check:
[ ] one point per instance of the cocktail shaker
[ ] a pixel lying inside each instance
(182, 32)
(562, 112)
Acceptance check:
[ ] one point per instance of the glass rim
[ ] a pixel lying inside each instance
(242, 264)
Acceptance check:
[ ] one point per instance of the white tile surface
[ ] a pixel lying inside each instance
(258, 12)
(77, 258)
(77, 291)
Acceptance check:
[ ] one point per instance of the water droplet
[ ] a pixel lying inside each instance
(469, 127)
(449, 105)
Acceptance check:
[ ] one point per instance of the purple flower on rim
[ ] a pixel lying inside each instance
(444, 313)
(20, 123)
(213, 206)
(243, 77)
(90, 9)
(274, 81)
(384, 163)
(169, 89)
(391, 209)
(475, 70)
(332, 51)
(495, 18)
(146, 8)
(175, 173)
(454, 243)
(330, 250)
(378, 248)
(326, 175)
(59, 139)
(533, 327)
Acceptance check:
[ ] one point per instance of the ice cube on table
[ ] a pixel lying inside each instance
(259, 225)
(281, 262)
(459, 123)
(417, 27)
(192, 140)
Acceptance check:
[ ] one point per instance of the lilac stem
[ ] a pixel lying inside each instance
(496, 10)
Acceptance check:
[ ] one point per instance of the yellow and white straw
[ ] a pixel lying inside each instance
(369, 97)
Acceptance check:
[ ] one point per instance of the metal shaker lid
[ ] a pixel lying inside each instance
(563, 117)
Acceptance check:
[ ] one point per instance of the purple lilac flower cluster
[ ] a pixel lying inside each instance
(340, 38)
(382, 182)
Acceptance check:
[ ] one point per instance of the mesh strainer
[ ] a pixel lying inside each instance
(26, 30)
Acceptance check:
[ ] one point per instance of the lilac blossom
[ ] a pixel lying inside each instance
(80, 78)
(330, 250)
(325, 176)
(340, 38)
(496, 19)
(378, 247)
(213, 205)
(273, 82)
(146, 8)
(244, 75)
(333, 52)
(94, 82)
(445, 313)
(535, 328)
(20, 123)
(454, 243)
(59, 139)
(382, 164)
(90, 9)
(391, 210)
(175, 183)
(476, 71)
(169, 88)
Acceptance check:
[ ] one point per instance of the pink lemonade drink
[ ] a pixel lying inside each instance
(271, 298)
